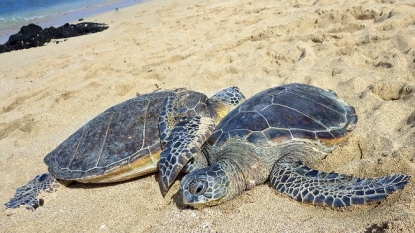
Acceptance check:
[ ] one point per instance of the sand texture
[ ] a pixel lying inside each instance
(362, 50)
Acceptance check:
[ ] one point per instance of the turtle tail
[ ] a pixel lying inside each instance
(27, 194)
(332, 189)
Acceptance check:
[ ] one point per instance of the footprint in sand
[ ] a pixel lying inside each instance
(393, 91)
(24, 124)
(14, 104)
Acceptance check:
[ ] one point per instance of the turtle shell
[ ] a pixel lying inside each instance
(293, 111)
(121, 143)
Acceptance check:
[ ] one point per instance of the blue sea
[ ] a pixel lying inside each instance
(17, 13)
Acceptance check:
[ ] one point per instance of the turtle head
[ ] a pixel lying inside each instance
(225, 101)
(206, 186)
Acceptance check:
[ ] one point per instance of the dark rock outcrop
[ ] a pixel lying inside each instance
(33, 35)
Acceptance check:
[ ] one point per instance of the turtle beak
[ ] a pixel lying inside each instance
(193, 200)
(187, 198)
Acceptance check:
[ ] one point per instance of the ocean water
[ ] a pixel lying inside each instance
(17, 13)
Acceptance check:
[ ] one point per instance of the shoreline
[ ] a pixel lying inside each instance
(73, 17)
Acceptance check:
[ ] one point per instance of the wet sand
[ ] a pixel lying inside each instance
(362, 50)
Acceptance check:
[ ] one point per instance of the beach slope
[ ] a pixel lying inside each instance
(362, 50)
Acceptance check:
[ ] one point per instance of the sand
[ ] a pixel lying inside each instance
(362, 50)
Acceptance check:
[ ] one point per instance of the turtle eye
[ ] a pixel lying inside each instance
(198, 187)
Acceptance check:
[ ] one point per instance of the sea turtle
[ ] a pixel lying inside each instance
(276, 135)
(126, 140)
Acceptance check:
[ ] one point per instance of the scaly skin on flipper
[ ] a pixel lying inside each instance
(332, 189)
(182, 136)
(121, 143)
(27, 194)
(263, 139)
(173, 110)
(184, 141)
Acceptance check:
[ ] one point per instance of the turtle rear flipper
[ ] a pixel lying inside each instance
(183, 143)
(28, 193)
(332, 189)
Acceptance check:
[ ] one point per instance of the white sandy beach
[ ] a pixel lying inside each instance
(362, 50)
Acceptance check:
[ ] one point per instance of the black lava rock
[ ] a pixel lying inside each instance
(33, 35)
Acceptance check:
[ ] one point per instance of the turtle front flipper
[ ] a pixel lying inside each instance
(183, 143)
(332, 189)
(174, 108)
(28, 193)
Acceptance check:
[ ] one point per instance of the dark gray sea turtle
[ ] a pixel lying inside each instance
(271, 136)
(126, 140)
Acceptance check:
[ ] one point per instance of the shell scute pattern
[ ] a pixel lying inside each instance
(279, 115)
(128, 140)
(196, 103)
(277, 135)
(287, 117)
(309, 112)
(247, 120)
(298, 133)
(104, 144)
(258, 138)
(312, 123)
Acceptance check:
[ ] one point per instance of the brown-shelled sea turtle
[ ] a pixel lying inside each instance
(126, 140)
(276, 135)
